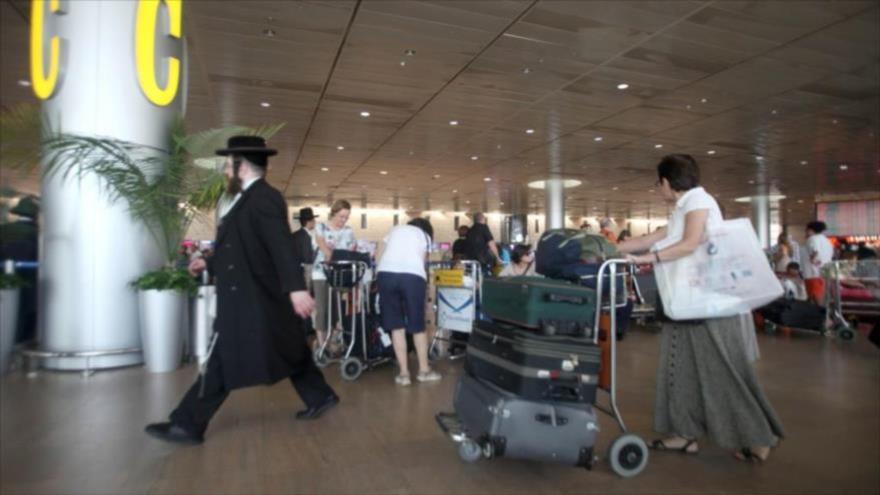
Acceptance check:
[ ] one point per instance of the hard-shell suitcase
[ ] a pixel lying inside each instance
(553, 306)
(561, 369)
(524, 429)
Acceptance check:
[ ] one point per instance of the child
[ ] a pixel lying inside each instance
(793, 283)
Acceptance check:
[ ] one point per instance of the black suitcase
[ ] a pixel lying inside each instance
(558, 369)
(795, 314)
(523, 429)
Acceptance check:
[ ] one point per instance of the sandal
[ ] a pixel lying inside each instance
(747, 455)
(660, 445)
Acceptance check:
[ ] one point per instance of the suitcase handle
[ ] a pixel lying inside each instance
(551, 419)
(564, 393)
(559, 298)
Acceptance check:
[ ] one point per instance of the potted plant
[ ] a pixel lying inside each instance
(165, 191)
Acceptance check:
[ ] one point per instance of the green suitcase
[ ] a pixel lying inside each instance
(554, 307)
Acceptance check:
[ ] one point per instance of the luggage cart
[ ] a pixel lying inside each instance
(852, 291)
(457, 293)
(346, 286)
(628, 453)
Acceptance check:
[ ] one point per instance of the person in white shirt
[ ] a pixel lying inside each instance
(818, 252)
(403, 285)
(706, 380)
(329, 236)
(522, 262)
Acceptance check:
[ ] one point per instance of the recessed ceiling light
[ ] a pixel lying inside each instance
(800, 201)
(526, 70)
(467, 202)
(325, 169)
(844, 166)
(803, 162)
(269, 33)
(529, 131)
(409, 52)
(711, 152)
(455, 191)
(453, 122)
(598, 138)
(774, 112)
(24, 82)
(436, 176)
(834, 121)
(365, 114)
(340, 148)
(265, 104)
(314, 184)
(615, 188)
(411, 152)
(650, 190)
(688, 107)
(383, 172)
(487, 179)
(759, 158)
(475, 157)
(622, 86)
(658, 146)
(704, 100)
(751, 182)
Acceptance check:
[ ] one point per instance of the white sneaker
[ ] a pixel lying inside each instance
(402, 380)
(431, 376)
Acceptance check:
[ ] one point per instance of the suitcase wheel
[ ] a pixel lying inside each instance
(770, 327)
(470, 451)
(628, 455)
(320, 358)
(351, 369)
(846, 333)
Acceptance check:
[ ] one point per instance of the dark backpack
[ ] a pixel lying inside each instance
(559, 249)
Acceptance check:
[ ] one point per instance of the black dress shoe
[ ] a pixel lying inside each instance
(173, 433)
(315, 412)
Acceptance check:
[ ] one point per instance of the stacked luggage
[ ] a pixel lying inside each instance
(532, 372)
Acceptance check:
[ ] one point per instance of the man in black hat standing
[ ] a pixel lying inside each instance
(303, 239)
(260, 291)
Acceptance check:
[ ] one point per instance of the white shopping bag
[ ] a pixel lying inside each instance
(727, 275)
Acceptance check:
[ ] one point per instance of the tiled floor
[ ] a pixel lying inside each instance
(65, 434)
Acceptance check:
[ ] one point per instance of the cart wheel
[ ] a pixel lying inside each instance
(320, 358)
(628, 455)
(846, 333)
(351, 369)
(470, 451)
(770, 327)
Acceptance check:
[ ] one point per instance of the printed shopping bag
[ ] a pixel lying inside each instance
(727, 275)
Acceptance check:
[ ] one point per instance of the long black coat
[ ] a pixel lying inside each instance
(261, 339)
(302, 245)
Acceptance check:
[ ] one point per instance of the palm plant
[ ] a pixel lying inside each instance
(164, 189)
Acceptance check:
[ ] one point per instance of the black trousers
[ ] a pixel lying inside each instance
(195, 412)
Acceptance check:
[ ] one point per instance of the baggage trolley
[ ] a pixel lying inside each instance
(456, 295)
(345, 280)
(628, 453)
(852, 291)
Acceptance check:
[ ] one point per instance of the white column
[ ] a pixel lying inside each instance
(761, 218)
(90, 248)
(555, 203)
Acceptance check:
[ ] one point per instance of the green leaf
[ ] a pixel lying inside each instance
(13, 281)
(167, 279)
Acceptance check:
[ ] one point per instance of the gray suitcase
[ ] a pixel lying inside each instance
(524, 429)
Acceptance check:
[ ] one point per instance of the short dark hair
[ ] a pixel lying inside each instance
(463, 230)
(519, 251)
(817, 226)
(681, 171)
(423, 224)
(479, 217)
(794, 265)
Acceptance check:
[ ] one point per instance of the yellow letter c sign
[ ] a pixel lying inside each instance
(44, 85)
(145, 49)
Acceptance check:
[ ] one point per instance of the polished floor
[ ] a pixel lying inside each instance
(65, 434)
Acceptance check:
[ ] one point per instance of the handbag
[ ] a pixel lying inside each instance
(726, 275)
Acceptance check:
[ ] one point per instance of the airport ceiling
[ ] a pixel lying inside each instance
(459, 104)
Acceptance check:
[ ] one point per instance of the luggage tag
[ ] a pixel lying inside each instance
(386, 340)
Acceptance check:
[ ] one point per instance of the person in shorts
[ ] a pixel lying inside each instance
(403, 285)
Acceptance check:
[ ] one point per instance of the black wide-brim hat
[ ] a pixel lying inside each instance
(246, 145)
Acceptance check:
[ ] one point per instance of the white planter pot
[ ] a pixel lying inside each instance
(162, 328)
(8, 325)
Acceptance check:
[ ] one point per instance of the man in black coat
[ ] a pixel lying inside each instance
(302, 238)
(260, 292)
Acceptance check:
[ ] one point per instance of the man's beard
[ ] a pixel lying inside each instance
(233, 186)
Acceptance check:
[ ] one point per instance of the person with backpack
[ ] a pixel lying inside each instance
(403, 285)
(480, 243)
